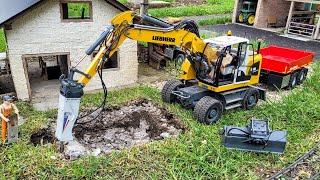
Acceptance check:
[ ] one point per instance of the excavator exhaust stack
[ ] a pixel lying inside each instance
(256, 137)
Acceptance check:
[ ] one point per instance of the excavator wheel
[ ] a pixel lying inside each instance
(250, 98)
(250, 19)
(208, 110)
(167, 89)
(179, 59)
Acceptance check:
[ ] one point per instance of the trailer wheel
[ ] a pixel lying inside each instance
(302, 75)
(167, 89)
(208, 110)
(293, 80)
(250, 98)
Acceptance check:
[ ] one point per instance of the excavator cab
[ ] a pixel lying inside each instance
(224, 79)
(233, 63)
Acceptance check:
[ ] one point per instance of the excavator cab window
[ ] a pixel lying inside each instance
(242, 53)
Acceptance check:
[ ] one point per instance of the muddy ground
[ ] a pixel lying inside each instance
(120, 127)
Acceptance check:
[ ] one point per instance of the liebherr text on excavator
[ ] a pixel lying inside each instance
(217, 74)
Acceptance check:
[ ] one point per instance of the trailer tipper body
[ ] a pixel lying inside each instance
(284, 67)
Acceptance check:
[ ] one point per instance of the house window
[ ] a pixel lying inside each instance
(76, 11)
(112, 63)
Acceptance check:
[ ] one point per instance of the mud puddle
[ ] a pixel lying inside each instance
(126, 126)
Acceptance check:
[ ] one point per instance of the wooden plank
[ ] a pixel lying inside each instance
(290, 15)
(316, 34)
(304, 12)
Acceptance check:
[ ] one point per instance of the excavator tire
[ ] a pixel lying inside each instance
(208, 110)
(250, 98)
(167, 89)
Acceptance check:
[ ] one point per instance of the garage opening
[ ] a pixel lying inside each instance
(43, 72)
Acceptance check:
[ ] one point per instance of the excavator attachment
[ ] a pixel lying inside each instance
(67, 116)
(256, 137)
(71, 90)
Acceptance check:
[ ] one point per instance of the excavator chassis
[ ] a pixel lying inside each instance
(208, 106)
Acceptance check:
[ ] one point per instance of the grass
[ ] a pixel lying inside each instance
(212, 7)
(213, 21)
(125, 2)
(195, 154)
(2, 41)
(75, 9)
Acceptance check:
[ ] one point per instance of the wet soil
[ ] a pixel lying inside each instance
(120, 127)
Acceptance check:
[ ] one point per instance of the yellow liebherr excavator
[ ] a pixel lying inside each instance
(217, 74)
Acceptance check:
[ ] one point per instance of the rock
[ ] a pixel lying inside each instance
(172, 130)
(164, 125)
(204, 142)
(86, 137)
(53, 157)
(165, 135)
(74, 150)
(44, 126)
(96, 152)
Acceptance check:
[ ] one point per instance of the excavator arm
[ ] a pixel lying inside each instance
(122, 27)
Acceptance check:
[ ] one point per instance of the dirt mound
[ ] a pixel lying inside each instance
(128, 125)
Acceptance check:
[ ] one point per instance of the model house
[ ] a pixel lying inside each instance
(46, 37)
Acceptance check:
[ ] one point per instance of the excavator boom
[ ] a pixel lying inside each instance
(121, 28)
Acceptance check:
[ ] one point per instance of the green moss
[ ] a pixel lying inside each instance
(2, 41)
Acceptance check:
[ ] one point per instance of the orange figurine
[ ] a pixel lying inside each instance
(6, 109)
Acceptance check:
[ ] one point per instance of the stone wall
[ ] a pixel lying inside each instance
(266, 8)
(276, 8)
(41, 31)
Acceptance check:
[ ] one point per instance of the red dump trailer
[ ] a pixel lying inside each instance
(284, 67)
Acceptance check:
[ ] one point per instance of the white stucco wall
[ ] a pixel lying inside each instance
(41, 31)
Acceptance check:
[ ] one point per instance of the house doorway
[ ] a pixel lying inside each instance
(43, 72)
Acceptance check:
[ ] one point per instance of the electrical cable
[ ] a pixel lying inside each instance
(228, 133)
(102, 106)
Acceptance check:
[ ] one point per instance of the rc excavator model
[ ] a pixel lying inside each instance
(217, 74)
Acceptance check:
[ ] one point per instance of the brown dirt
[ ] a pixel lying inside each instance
(134, 123)
(42, 136)
(189, 2)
